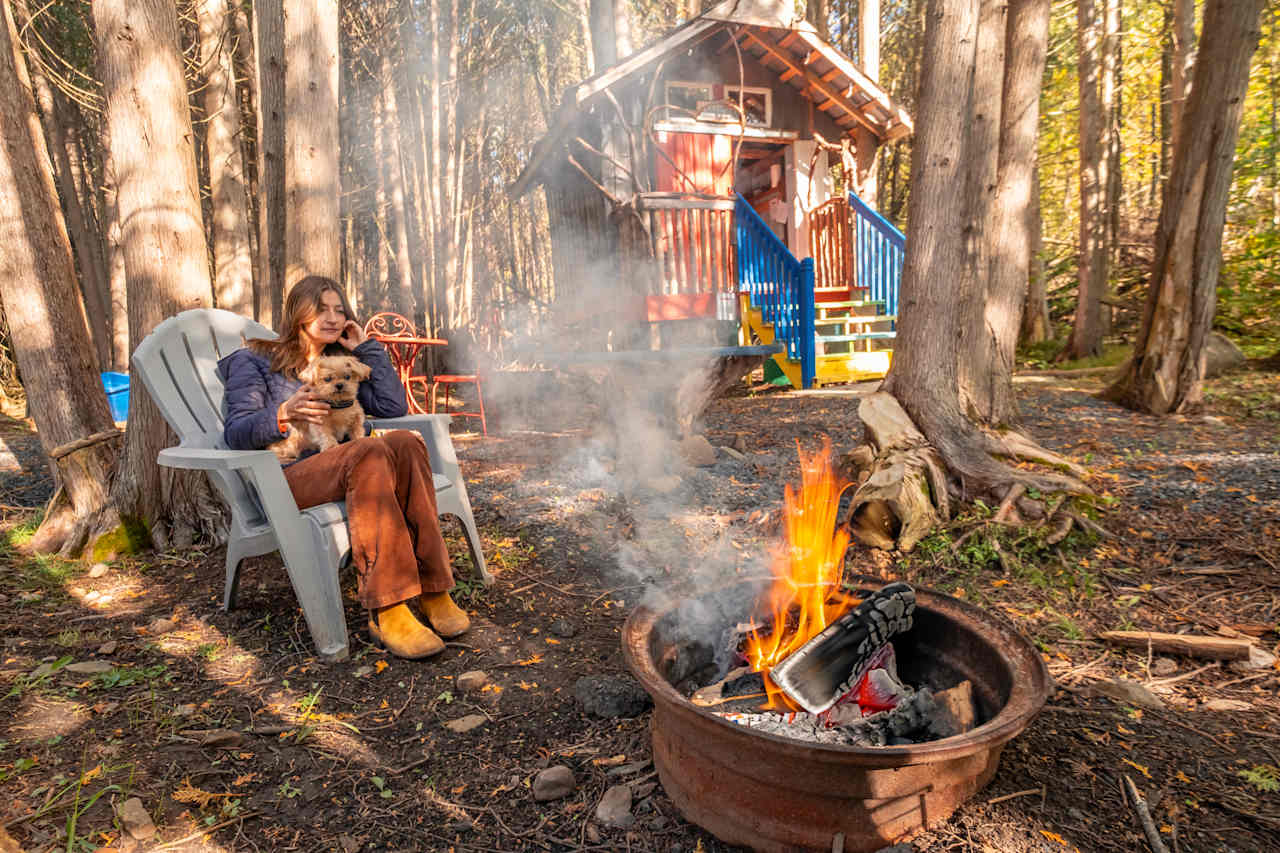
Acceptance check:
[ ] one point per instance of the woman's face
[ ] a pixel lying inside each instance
(327, 325)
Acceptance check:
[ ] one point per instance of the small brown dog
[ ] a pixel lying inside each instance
(335, 379)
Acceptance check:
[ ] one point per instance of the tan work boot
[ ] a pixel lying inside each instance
(447, 618)
(403, 635)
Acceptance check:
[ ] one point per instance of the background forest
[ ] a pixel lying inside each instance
(441, 103)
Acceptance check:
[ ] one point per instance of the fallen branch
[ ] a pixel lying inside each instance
(1191, 645)
(1144, 817)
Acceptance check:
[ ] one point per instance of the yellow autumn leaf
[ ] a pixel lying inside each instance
(1000, 582)
(1182, 777)
(1053, 836)
(552, 641)
(89, 774)
(1136, 766)
(530, 661)
(1122, 730)
(526, 685)
(379, 666)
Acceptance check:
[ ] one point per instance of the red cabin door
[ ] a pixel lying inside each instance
(695, 246)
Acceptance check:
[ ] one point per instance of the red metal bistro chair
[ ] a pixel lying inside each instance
(404, 345)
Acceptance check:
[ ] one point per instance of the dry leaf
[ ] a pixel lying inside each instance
(1144, 771)
(379, 666)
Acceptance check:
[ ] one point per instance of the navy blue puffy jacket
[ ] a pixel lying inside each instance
(254, 393)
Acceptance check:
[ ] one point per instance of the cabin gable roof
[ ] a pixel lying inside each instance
(788, 47)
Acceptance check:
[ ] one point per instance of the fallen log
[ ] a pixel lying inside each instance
(1191, 645)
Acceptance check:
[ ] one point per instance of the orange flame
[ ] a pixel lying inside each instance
(805, 596)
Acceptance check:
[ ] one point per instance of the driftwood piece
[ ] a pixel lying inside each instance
(888, 426)
(1191, 645)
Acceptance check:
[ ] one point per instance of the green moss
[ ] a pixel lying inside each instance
(131, 536)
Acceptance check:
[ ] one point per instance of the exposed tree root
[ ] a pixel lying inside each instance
(906, 481)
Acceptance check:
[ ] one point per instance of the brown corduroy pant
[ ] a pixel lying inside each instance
(396, 544)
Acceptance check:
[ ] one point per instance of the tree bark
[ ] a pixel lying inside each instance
(869, 37)
(987, 372)
(817, 13)
(393, 177)
(1086, 330)
(313, 236)
(117, 280)
(1182, 58)
(38, 290)
(1112, 68)
(978, 384)
(1035, 308)
(268, 52)
(161, 239)
(1167, 370)
(233, 274)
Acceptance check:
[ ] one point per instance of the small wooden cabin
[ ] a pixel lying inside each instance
(689, 185)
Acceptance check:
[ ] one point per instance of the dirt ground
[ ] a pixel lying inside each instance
(133, 684)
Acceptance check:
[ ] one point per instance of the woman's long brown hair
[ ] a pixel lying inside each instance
(288, 353)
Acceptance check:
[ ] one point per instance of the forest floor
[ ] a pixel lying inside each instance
(133, 684)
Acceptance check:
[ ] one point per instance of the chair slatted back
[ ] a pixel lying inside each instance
(178, 364)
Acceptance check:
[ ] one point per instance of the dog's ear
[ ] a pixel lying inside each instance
(359, 368)
(308, 373)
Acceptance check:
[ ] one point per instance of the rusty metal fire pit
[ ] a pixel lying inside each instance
(770, 793)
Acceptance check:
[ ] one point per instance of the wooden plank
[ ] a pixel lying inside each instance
(898, 117)
(1191, 645)
(679, 201)
(816, 82)
(682, 306)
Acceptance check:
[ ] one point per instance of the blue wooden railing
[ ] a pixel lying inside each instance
(779, 285)
(878, 254)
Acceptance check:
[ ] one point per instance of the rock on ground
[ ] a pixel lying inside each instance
(697, 451)
(471, 681)
(467, 723)
(615, 807)
(1220, 354)
(553, 783)
(611, 696)
(1131, 693)
(136, 820)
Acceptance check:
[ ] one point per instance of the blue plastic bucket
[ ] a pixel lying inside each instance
(117, 387)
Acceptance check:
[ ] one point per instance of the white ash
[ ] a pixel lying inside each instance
(912, 721)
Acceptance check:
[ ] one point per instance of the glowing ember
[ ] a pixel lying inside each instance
(804, 597)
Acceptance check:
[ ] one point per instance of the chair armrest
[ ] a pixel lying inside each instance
(434, 430)
(211, 459)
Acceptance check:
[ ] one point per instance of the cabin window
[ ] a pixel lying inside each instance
(718, 103)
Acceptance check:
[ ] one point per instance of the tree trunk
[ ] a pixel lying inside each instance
(986, 374)
(117, 279)
(1182, 59)
(268, 51)
(93, 285)
(869, 37)
(386, 294)
(313, 237)
(1086, 331)
(980, 397)
(233, 275)
(38, 290)
(817, 13)
(393, 177)
(161, 238)
(1167, 370)
(1035, 308)
(1112, 68)
(943, 283)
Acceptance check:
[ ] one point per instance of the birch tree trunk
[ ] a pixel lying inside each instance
(313, 236)
(38, 290)
(162, 241)
(1086, 330)
(1166, 373)
(268, 53)
(232, 264)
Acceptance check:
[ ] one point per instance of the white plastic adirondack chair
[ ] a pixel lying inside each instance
(177, 363)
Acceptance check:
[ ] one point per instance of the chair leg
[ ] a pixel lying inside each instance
(473, 544)
(484, 428)
(235, 555)
(313, 571)
(433, 397)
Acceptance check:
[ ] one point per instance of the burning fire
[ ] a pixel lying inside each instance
(805, 595)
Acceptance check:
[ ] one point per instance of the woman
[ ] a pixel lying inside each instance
(399, 554)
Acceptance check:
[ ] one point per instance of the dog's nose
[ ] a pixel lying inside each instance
(338, 386)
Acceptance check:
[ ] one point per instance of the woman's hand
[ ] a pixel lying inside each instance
(352, 335)
(304, 407)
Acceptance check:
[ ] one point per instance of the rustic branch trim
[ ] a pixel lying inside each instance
(81, 443)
